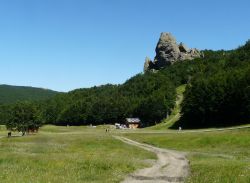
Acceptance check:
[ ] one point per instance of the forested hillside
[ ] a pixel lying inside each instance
(11, 94)
(217, 94)
(220, 95)
(148, 96)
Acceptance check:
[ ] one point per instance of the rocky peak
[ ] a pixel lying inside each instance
(168, 51)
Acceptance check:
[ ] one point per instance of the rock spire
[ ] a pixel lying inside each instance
(168, 51)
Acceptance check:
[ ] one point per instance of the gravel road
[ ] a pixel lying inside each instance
(171, 166)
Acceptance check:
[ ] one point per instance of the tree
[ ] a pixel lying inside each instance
(153, 109)
(24, 116)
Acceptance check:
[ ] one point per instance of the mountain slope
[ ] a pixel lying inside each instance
(217, 94)
(10, 94)
(175, 113)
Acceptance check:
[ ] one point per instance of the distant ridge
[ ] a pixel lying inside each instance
(11, 94)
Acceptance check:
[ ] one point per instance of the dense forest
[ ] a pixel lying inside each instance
(217, 94)
(11, 94)
(220, 95)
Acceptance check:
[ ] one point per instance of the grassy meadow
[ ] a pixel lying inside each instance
(67, 154)
(220, 156)
(84, 154)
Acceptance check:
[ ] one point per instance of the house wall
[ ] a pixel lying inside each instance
(133, 126)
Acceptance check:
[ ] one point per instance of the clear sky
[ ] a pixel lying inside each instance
(69, 44)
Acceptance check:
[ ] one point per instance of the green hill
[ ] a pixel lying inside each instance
(11, 94)
(216, 94)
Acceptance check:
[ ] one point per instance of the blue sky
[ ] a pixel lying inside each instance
(69, 44)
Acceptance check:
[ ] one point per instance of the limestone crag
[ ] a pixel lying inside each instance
(169, 52)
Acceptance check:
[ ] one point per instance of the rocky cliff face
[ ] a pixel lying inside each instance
(169, 52)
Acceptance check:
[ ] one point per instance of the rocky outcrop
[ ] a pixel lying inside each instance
(169, 52)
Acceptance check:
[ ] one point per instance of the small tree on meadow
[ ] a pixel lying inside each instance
(24, 116)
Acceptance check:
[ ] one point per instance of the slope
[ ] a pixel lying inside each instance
(11, 94)
(175, 114)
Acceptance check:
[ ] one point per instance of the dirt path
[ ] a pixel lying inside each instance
(171, 166)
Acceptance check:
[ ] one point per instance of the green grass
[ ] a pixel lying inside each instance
(220, 156)
(85, 154)
(175, 114)
(68, 154)
(214, 156)
(3, 131)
